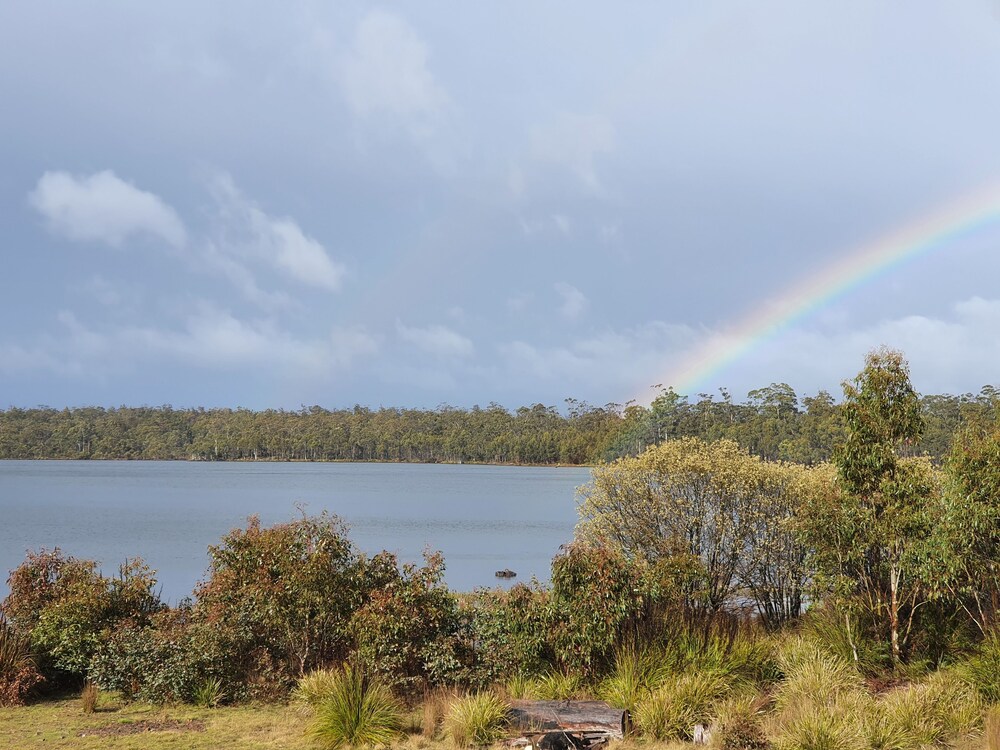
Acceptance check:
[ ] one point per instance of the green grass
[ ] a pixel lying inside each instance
(61, 724)
(476, 720)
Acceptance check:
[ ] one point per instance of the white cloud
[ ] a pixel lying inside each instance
(574, 302)
(437, 340)
(386, 72)
(574, 141)
(249, 231)
(103, 208)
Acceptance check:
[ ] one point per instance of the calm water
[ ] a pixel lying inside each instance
(483, 518)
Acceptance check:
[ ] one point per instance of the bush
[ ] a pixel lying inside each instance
(282, 597)
(477, 720)
(171, 660)
(405, 633)
(18, 674)
(599, 600)
(507, 632)
(67, 607)
(356, 712)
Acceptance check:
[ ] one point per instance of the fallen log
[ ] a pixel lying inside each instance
(558, 724)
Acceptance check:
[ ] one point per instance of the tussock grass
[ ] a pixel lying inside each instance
(557, 686)
(356, 712)
(739, 724)
(313, 688)
(682, 701)
(991, 729)
(434, 708)
(518, 687)
(209, 693)
(88, 698)
(940, 709)
(637, 673)
(477, 720)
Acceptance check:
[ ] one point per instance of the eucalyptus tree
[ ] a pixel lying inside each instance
(871, 542)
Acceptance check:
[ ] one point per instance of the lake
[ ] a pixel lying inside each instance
(483, 518)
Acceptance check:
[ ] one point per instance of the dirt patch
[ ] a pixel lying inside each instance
(139, 727)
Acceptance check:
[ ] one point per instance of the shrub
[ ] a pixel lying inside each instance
(599, 600)
(67, 607)
(477, 720)
(678, 704)
(356, 712)
(507, 631)
(18, 674)
(403, 634)
(281, 597)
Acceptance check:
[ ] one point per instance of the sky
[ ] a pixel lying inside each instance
(272, 205)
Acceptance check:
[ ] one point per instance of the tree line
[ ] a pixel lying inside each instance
(773, 423)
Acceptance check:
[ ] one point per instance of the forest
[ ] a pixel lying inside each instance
(849, 604)
(772, 422)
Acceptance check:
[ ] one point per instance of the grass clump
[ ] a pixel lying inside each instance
(209, 693)
(477, 720)
(937, 710)
(682, 701)
(355, 711)
(637, 673)
(557, 686)
(739, 724)
(313, 688)
(88, 698)
(434, 708)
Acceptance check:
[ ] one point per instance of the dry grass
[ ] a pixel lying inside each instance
(435, 708)
(991, 730)
(88, 697)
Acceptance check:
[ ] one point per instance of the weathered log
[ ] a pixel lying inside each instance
(571, 717)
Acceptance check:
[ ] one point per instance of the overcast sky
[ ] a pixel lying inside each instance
(271, 205)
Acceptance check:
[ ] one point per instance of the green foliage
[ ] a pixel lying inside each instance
(718, 519)
(67, 607)
(283, 596)
(476, 720)
(168, 661)
(508, 633)
(356, 711)
(682, 701)
(19, 675)
(405, 634)
(599, 598)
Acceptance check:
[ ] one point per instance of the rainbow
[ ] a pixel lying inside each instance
(857, 267)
